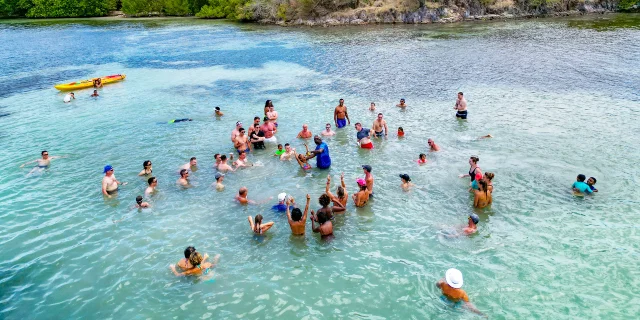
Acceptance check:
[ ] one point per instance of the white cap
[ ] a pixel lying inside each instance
(282, 196)
(454, 278)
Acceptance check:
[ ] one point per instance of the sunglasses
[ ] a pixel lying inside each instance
(46, 154)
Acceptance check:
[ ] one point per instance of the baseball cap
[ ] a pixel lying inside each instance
(219, 175)
(282, 196)
(367, 167)
(107, 168)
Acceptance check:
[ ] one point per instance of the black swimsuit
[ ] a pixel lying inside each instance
(473, 174)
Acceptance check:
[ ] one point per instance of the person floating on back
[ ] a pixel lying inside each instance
(450, 286)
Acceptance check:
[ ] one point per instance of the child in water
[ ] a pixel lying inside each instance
(400, 132)
(280, 151)
(422, 159)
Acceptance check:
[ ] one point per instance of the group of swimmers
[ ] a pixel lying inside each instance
(321, 220)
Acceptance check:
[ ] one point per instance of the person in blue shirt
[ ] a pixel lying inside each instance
(580, 186)
(281, 206)
(591, 182)
(322, 153)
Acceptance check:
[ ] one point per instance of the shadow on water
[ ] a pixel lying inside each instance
(608, 22)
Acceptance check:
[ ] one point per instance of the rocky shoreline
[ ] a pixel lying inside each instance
(364, 16)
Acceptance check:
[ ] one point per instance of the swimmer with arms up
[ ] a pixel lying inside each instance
(339, 202)
(450, 287)
(297, 220)
(257, 226)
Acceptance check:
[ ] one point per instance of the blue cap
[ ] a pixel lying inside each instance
(474, 217)
(107, 168)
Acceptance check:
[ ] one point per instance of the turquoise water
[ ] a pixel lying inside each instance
(560, 96)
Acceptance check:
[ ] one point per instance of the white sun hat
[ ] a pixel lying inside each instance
(454, 278)
(282, 196)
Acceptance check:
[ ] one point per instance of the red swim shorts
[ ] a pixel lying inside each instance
(367, 146)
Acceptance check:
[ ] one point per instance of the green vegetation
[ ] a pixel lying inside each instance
(55, 8)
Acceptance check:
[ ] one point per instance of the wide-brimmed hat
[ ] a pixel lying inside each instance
(282, 196)
(454, 278)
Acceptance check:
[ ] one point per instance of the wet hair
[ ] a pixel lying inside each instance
(341, 99)
(241, 129)
(188, 251)
(340, 192)
(242, 191)
(42, 153)
(286, 145)
(484, 185)
(303, 159)
(364, 187)
(150, 180)
(139, 199)
(581, 177)
(594, 179)
(268, 103)
(195, 259)
(256, 118)
(280, 145)
(489, 175)
(146, 163)
(373, 103)
(358, 124)
(400, 129)
(322, 217)
(223, 157)
(296, 214)
(328, 124)
(474, 159)
(422, 155)
(255, 125)
(266, 118)
(460, 93)
(215, 156)
(380, 114)
(258, 219)
(192, 158)
(240, 153)
(324, 200)
(218, 108)
(183, 171)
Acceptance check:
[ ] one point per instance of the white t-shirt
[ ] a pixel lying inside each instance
(67, 98)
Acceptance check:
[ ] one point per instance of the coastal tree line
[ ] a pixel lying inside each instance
(260, 9)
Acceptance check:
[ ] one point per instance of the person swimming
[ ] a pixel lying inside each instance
(422, 158)
(400, 132)
(147, 170)
(217, 112)
(450, 286)
(141, 204)
(257, 226)
(197, 265)
(406, 182)
(179, 120)
(43, 162)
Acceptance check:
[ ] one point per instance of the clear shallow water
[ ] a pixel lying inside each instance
(560, 96)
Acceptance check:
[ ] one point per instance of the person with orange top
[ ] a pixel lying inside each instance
(450, 287)
(400, 132)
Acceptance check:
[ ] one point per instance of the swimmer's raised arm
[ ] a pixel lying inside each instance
(342, 180)
(287, 203)
(306, 208)
(250, 222)
(326, 190)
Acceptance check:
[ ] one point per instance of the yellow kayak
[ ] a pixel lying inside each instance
(89, 83)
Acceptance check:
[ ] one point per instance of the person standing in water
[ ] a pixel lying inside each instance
(474, 170)
(267, 105)
(340, 115)
(269, 130)
(219, 178)
(297, 220)
(364, 137)
(184, 178)
(461, 107)
(401, 104)
(328, 132)
(368, 177)
(94, 94)
(324, 225)
(433, 147)
(450, 287)
(151, 189)
(482, 196)
(110, 183)
(223, 166)
(236, 131)
(322, 153)
(198, 265)
(380, 126)
(257, 226)
(147, 168)
(361, 198)
(241, 143)
(273, 115)
(305, 133)
(141, 204)
(42, 163)
(68, 97)
(580, 186)
(192, 165)
(217, 112)
(372, 106)
(406, 182)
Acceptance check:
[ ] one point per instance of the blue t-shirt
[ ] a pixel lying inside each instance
(582, 187)
(593, 188)
(364, 133)
(324, 160)
(281, 207)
